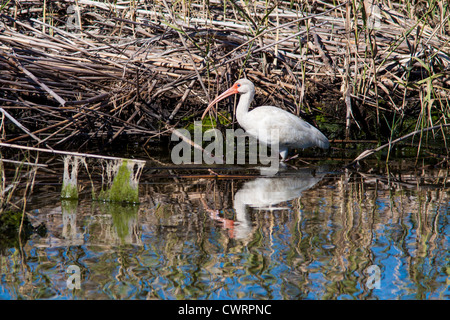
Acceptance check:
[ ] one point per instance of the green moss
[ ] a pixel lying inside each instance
(124, 218)
(69, 206)
(224, 118)
(69, 188)
(69, 191)
(122, 189)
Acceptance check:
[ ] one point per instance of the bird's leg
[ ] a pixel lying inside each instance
(283, 154)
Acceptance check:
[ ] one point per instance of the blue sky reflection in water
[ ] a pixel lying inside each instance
(309, 234)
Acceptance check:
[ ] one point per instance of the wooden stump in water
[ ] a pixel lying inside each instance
(69, 188)
(120, 179)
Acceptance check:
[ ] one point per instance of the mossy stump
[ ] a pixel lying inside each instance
(124, 186)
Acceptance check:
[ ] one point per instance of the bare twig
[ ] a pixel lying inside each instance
(369, 152)
(67, 153)
(17, 123)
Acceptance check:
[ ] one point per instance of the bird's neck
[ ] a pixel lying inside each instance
(242, 109)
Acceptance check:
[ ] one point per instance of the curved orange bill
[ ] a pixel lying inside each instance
(229, 92)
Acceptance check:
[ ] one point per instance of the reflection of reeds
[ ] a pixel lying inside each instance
(335, 234)
(24, 173)
(395, 207)
(317, 246)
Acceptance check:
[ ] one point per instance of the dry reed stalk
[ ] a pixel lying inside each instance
(61, 152)
(133, 65)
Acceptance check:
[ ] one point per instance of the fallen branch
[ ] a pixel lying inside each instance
(67, 153)
(24, 163)
(369, 152)
(17, 123)
(61, 101)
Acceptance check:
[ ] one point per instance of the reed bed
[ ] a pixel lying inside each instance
(86, 69)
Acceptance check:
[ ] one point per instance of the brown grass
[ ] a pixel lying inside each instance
(104, 69)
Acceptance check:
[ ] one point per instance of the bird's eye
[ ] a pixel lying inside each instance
(239, 85)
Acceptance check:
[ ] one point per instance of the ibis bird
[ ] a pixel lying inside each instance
(292, 132)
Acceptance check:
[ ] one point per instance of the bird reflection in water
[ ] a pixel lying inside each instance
(265, 194)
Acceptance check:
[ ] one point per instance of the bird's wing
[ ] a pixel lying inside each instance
(268, 122)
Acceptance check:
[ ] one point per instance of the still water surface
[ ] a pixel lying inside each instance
(308, 233)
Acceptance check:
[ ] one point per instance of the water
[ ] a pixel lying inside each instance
(317, 232)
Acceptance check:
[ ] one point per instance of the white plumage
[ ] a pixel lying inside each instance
(262, 122)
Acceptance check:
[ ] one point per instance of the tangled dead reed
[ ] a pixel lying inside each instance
(83, 68)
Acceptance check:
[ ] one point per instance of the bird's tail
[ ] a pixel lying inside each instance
(322, 141)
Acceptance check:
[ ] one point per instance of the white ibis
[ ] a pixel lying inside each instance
(293, 132)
